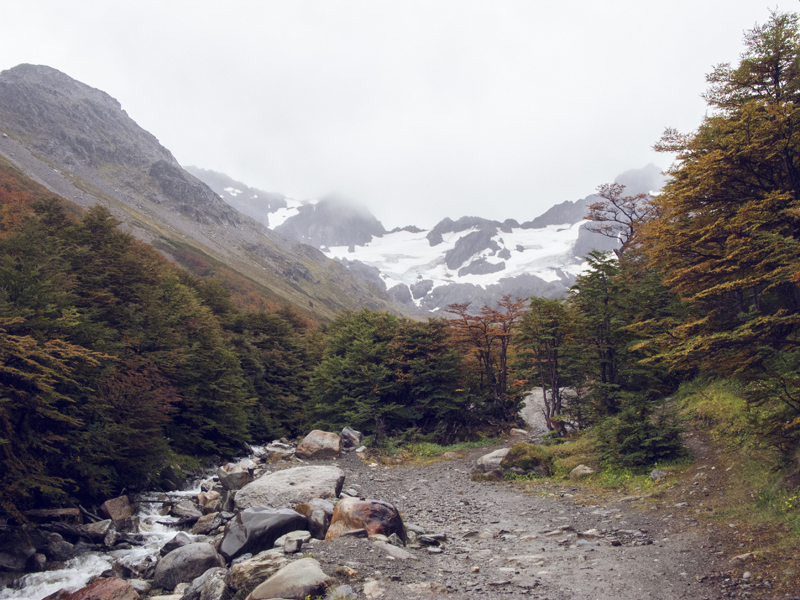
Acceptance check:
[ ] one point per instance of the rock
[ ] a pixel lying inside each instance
(207, 523)
(116, 508)
(342, 592)
(185, 564)
(256, 529)
(295, 581)
(210, 501)
(111, 588)
(172, 478)
(292, 545)
(657, 474)
(291, 486)
(185, 509)
(493, 459)
(581, 470)
(742, 558)
(17, 546)
(373, 590)
(450, 456)
(373, 515)
(518, 432)
(303, 536)
(181, 539)
(247, 574)
(531, 458)
(234, 476)
(491, 475)
(319, 513)
(97, 531)
(396, 552)
(350, 437)
(57, 549)
(361, 449)
(208, 586)
(319, 445)
(279, 452)
(395, 540)
(140, 585)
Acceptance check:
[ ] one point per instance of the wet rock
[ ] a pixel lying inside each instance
(291, 486)
(247, 574)
(350, 437)
(185, 564)
(57, 549)
(106, 589)
(172, 478)
(319, 445)
(256, 529)
(16, 547)
(181, 539)
(373, 515)
(185, 509)
(140, 585)
(296, 580)
(319, 513)
(97, 531)
(116, 508)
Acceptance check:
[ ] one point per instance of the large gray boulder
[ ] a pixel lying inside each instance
(184, 564)
(493, 459)
(351, 438)
(319, 445)
(284, 489)
(256, 529)
(246, 575)
(295, 581)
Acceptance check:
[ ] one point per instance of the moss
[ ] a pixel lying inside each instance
(529, 457)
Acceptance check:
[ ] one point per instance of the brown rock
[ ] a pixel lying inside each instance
(116, 508)
(210, 501)
(319, 445)
(319, 513)
(106, 589)
(247, 574)
(375, 516)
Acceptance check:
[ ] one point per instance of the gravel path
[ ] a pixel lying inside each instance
(508, 540)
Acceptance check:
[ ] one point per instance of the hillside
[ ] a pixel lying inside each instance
(78, 142)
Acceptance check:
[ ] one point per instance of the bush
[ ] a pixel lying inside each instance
(637, 437)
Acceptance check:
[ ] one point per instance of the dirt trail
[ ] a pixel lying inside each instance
(509, 540)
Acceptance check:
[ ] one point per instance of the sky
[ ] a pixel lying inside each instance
(417, 109)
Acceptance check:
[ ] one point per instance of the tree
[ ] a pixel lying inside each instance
(727, 238)
(620, 217)
(488, 336)
(543, 333)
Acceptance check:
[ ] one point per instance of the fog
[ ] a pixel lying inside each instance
(417, 109)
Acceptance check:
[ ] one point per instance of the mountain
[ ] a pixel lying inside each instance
(78, 142)
(470, 259)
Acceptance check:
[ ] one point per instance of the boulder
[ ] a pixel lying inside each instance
(350, 437)
(256, 529)
(57, 548)
(291, 486)
(295, 581)
(493, 459)
(531, 458)
(97, 531)
(207, 523)
(186, 509)
(319, 445)
(185, 563)
(210, 501)
(111, 588)
(234, 476)
(172, 478)
(116, 508)
(181, 539)
(581, 470)
(17, 546)
(376, 516)
(208, 586)
(657, 474)
(319, 513)
(249, 573)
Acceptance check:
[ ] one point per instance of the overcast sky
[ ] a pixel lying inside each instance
(420, 110)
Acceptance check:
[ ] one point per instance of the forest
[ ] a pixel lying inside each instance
(116, 363)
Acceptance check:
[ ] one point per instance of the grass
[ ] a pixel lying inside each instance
(425, 452)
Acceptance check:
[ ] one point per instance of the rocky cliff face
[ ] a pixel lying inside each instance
(78, 142)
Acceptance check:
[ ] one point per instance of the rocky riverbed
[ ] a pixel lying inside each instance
(467, 539)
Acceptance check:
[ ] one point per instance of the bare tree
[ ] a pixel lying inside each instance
(618, 216)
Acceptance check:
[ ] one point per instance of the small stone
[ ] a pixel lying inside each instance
(475, 569)
(746, 575)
